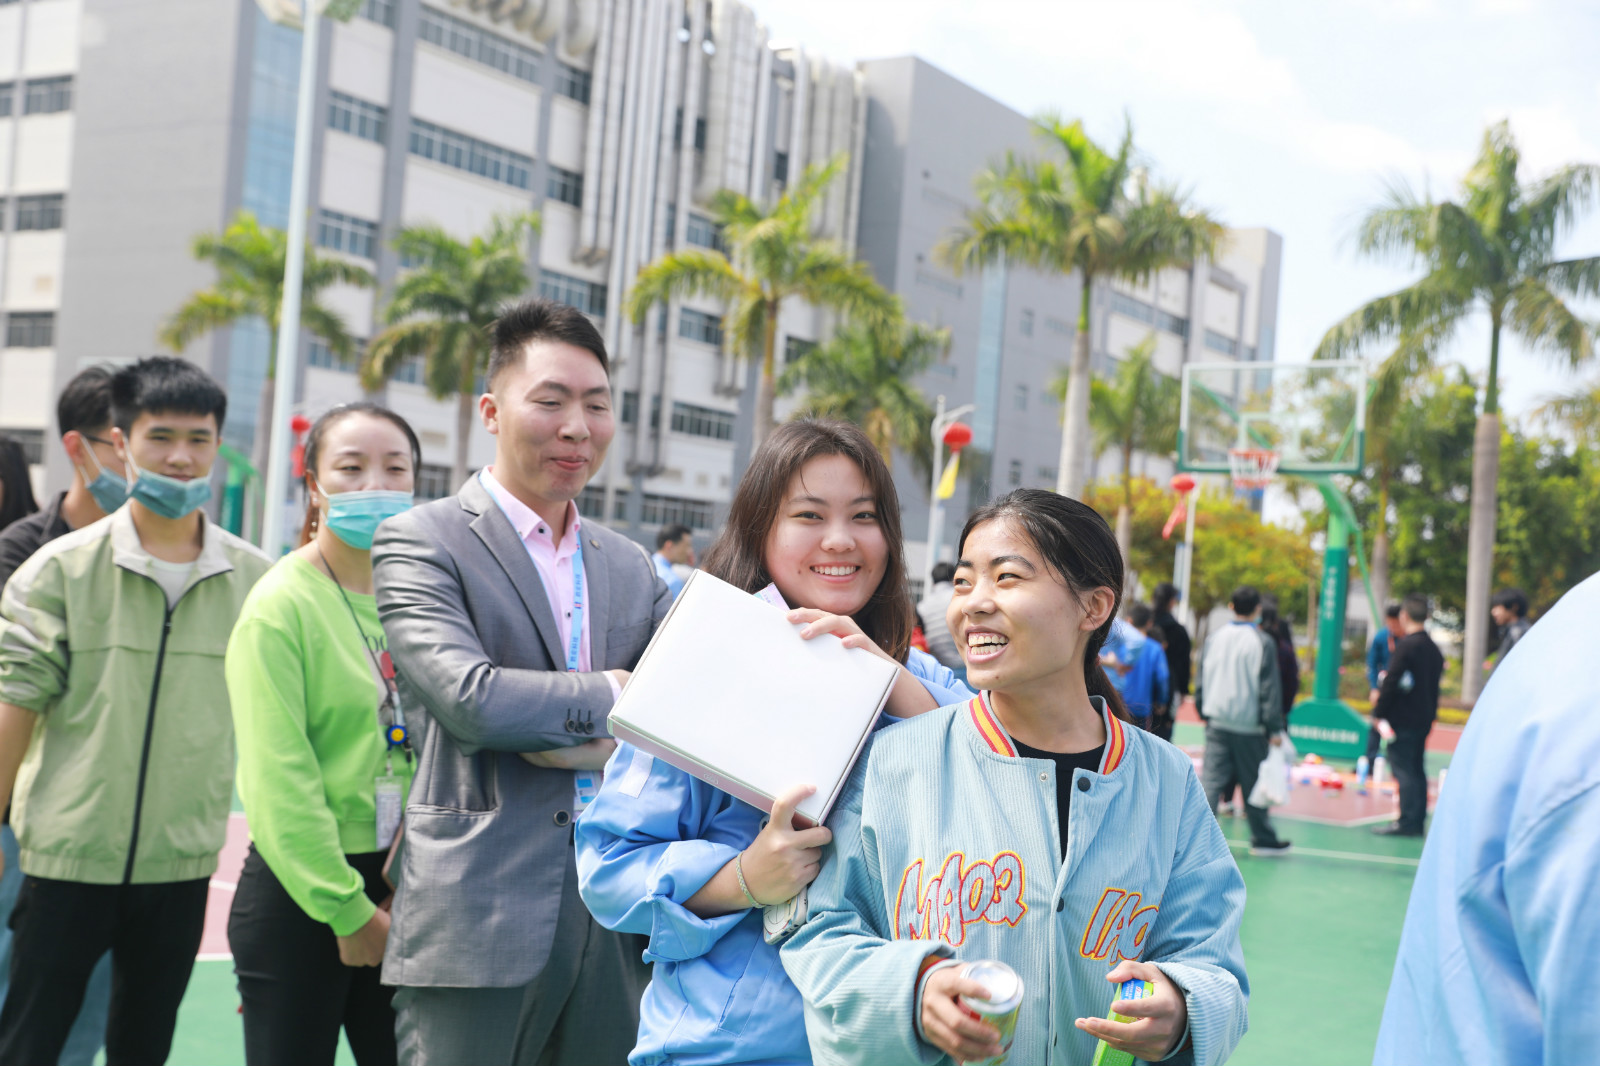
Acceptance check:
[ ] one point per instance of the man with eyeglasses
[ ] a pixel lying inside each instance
(83, 417)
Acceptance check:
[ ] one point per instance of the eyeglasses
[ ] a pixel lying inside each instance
(97, 440)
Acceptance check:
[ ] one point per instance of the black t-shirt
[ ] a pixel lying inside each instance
(1066, 762)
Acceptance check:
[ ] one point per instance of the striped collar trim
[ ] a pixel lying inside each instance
(994, 735)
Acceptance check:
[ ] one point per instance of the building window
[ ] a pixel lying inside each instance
(410, 372)
(1026, 325)
(40, 212)
(1124, 304)
(379, 11)
(8, 93)
(704, 233)
(1047, 475)
(46, 96)
(478, 44)
(32, 442)
(2, 214)
(1014, 475)
(433, 482)
(357, 117)
(572, 83)
(319, 354)
(1022, 397)
(630, 409)
(797, 348)
(1172, 324)
(699, 326)
(566, 186)
(780, 167)
(665, 510)
(700, 134)
(341, 233)
(702, 421)
(30, 329)
(1218, 343)
(470, 154)
(1056, 325)
(587, 296)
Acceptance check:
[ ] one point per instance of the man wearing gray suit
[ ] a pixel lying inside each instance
(513, 624)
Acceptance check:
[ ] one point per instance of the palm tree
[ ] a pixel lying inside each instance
(864, 376)
(442, 311)
(1136, 409)
(1494, 250)
(1578, 411)
(250, 258)
(772, 255)
(1084, 212)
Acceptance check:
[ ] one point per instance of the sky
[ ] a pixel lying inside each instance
(1293, 116)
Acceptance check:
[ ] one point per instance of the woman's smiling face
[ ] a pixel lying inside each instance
(826, 548)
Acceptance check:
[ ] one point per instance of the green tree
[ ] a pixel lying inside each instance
(250, 258)
(1083, 210)
(1493, 250)
(773, 255)
(1134, 409)
(441, 310)
(1577, 411)
(864, 376)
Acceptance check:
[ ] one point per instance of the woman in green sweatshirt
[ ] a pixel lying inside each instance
(324, 762)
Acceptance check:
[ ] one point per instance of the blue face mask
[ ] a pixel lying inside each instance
(353, 517)
(109, 490)
(167, 496)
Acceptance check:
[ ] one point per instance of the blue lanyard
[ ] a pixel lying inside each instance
(575, 641)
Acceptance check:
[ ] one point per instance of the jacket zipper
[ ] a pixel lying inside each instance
(144, 755)
(150, 728)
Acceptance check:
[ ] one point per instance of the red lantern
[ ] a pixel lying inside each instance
(957, 435)
(1182, 484)
(300, 425)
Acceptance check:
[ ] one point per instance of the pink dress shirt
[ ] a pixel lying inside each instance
(552, 560)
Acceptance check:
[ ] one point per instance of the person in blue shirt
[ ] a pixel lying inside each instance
(1147, 684)
(1497, 956)
(670, 857)
(1378, 653)
(674, 548)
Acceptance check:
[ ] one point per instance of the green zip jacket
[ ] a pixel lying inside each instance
(129, 775)
(305, 703)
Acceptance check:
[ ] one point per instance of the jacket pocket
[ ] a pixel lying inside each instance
(748, 988)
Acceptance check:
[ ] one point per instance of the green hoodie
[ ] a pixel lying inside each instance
(129, 775)
(305, 704)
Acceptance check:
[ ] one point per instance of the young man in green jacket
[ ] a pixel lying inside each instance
(114, 709)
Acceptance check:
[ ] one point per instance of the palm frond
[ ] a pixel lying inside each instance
(677, 275)
(1543, 319)
(203, 312)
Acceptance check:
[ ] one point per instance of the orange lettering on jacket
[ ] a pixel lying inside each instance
(1118, 928)
(958, 896)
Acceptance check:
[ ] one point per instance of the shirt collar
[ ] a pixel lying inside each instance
(993, 736)
(526, 521)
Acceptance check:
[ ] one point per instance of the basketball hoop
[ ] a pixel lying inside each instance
(1253, 468)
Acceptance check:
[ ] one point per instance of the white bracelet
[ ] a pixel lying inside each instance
(738, 869)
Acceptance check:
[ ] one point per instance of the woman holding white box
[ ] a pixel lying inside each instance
(663, 854)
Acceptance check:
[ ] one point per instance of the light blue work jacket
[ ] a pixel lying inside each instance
(947, 843)
(1498, 957)
(652, 839)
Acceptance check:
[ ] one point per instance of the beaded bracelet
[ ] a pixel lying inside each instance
(738, 869)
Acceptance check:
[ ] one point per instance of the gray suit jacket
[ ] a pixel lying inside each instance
(482, 676)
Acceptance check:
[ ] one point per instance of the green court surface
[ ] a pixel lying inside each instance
(1320, 933)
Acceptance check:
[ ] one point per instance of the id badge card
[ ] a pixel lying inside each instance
(387, 793)
(586, 786)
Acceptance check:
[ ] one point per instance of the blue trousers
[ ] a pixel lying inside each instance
(88, 1034)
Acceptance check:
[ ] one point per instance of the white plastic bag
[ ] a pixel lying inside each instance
(1272, 779)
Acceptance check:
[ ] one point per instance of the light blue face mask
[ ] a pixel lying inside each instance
(167, 496)
(353, 517)
(109, 490)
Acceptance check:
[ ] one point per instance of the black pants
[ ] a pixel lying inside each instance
(1406, 752)
(1162, 720)
(62, 928)
(296, 992)
(1236, 757)
(1374, 745)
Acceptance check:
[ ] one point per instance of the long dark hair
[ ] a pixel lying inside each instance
(739, 555)
(16, 490)
(1077, 544)
(319, 429)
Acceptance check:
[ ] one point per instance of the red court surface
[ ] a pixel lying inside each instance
(214, 942)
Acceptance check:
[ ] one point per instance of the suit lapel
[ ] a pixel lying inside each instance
(495, 530)
(597, 575)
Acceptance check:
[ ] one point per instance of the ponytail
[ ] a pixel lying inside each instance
(1099, 682)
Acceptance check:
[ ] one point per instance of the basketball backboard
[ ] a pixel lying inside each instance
(1312, 414)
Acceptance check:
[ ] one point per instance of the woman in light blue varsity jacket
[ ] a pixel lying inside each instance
(1032, 825)
(684, 863)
